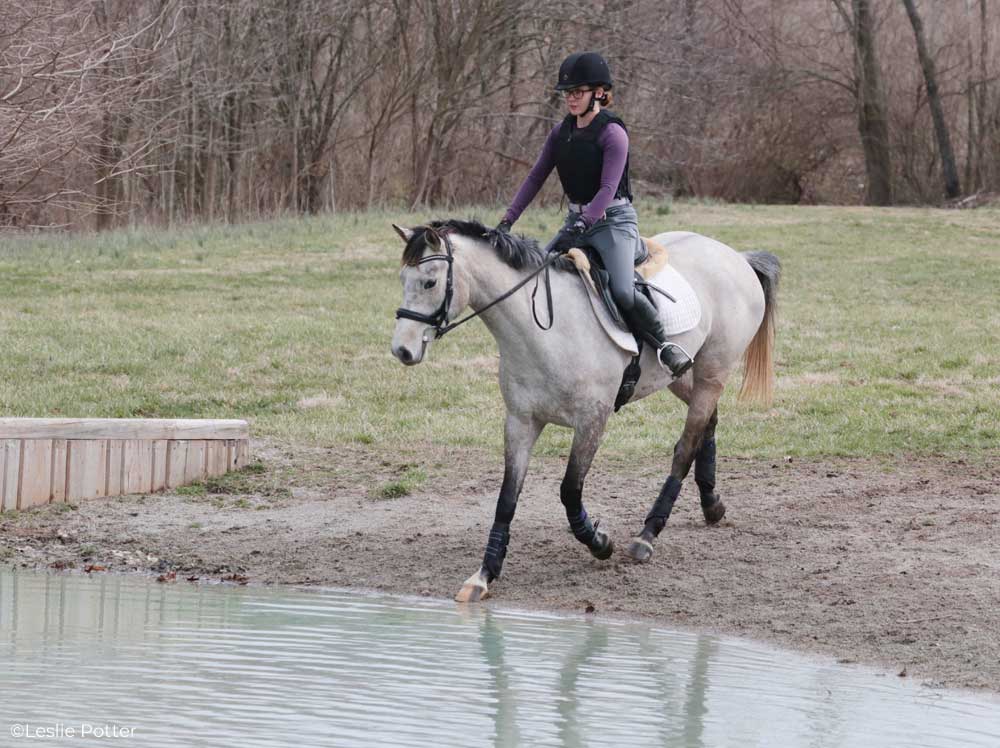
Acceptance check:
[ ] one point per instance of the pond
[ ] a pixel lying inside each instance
(126, 661)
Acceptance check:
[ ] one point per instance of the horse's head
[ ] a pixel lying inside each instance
(433, 292)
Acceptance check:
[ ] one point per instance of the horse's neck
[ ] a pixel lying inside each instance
(511, 321)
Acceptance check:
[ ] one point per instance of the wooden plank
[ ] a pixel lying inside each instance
(59, 466)
(137, 466)
(87, 478)
(159, 480)
(113, 478)
(176, 458)
(242, 454)
(194, 465)
(36, 472)
(123, 428)
(11, 473)
(216, 461)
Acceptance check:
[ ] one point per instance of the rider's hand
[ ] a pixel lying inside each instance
(504, 227)
(568, 238)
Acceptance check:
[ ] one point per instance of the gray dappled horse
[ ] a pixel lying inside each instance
(570, 374)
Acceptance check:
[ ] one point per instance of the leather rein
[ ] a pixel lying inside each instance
(439, 318)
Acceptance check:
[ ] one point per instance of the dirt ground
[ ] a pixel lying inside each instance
(892, 564)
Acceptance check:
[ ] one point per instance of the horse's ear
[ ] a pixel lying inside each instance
(404, 234)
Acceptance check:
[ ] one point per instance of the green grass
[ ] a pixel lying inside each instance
(887, 339)
(410, 480)
(253, 479)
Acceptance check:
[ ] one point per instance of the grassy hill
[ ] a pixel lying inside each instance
(888, 338)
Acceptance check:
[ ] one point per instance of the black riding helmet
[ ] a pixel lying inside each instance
(583, 69)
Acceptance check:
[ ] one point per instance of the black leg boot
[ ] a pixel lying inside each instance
(643, 321)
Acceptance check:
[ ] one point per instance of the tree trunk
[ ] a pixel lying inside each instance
(105, 163)
(872, 122)
(971, 172)
(952, 188)
(986, 170)
(295, 157)
(234, 144)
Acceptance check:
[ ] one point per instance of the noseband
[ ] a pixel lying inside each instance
(439, 318)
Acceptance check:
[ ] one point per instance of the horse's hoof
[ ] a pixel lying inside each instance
(714, 512)
(639, 550)
(472, 593)
(474, 589)
(602, 547)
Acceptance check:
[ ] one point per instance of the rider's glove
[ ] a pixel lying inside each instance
(568, 237)
(504, 227)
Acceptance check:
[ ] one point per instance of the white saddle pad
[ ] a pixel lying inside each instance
(676, 317)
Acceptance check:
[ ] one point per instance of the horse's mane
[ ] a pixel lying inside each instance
(517, 251)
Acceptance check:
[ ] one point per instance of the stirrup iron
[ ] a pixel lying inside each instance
(684, 368)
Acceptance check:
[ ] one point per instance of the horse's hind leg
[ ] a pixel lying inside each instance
(520, 435)
(701, 409)
(585, 443)
(704, 474)
(704, 461)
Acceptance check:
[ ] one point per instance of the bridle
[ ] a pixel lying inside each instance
(438, 319)
(440, 315)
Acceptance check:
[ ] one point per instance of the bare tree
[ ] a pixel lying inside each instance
(952, 187)
(176, 110)
(873, 123)
(47, 108)
(322, 61)
(469, 53)
(988, 122)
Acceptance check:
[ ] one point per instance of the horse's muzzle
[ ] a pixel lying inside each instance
(403, 354)
(406, 356)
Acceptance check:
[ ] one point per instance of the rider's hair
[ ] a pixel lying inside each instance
(607, 99)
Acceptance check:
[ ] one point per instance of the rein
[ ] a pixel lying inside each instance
(439, 318)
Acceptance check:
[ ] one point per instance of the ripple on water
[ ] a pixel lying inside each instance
(205, 666)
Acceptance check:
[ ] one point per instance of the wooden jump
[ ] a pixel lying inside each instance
(46, 460)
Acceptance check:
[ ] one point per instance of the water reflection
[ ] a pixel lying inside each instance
(505, 697)
(185, 665)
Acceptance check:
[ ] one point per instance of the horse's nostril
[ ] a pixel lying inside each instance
(404, 355)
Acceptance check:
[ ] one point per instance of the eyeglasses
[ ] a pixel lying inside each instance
(576, 93)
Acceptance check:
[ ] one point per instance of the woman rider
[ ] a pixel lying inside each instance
(589, 150)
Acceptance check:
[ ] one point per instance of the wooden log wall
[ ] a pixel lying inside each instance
(46, 460)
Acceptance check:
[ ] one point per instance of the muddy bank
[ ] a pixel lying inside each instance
(889, 564)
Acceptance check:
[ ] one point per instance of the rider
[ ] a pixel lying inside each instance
(589, 150)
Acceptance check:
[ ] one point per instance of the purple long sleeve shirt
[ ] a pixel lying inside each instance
(613, 141)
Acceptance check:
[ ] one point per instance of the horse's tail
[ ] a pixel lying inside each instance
(758, 371)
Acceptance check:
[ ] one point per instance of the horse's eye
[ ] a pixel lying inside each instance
(430, 284)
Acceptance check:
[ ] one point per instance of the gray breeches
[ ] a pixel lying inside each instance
(615, 237)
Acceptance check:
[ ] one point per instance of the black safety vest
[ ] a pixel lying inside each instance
(580, 158)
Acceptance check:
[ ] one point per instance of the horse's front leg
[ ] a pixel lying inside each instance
(586, 440)
(520, 435)
(701, 410)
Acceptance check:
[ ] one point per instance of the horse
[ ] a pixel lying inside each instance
(569, 374)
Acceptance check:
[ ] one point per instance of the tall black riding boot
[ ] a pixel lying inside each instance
(643, 321)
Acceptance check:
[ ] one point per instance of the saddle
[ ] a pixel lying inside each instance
(650, 258)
